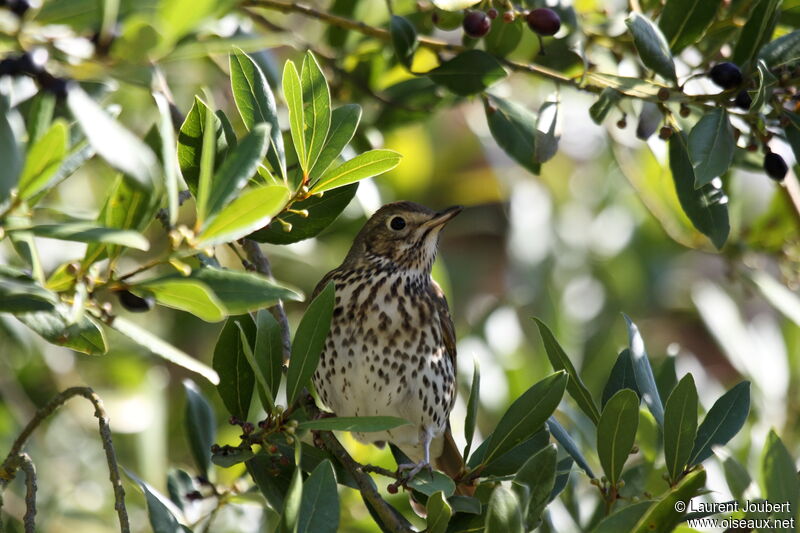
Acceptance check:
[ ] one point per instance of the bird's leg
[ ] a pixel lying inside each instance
(414, 469)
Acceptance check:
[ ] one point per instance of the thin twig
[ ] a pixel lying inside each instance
(26, 465)
(262, 266)
(9, 466)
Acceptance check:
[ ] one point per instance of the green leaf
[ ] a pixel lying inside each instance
(546, 137)
(404, 39)
(779, 476)
(344, 121)
(662, 516)
(168, 156)
(319, 506)
(11, 152)
(472, 406)
(560, 361)
(765, 82)
(430, 484)
(454, 5)
(621, 377)
(23, 295)
(616, 432)
(607, 100)
(711, 146)
(643, 372)
(241, 292)
(120, 148)
(236, 378)
(724, 420)
(256, 104)
(652, 46)
(160, 510)
(539, 475)
(83, 336)
(291, 508)
(126, 208)
(40, 115)
(180, 17)
(44, 159)
(74, 160)
(685, 21)
(269, 350)
(781, 51)
(510, 462)
(706, 207)
(253, 209)
(322, 211)
(361, 424)
(293, 93)
(183, 294)
(200, 426)
(265, 394)
(680, 426)
(563, 470)
(624, 519)
(468, 73)
(736, 476)
(514, 129)
(504, 36)
(761, 20)
(793, 132)
(362, 166)
(227, 457)
(570, 446)
(316, 108)
(439, 513)
(190, 143)
(504, 514)
(309, 341)
(88, 232)
(237, 169)
(162, 348)
(526, 415)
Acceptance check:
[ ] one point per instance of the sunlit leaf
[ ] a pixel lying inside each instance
(83, 335)
(645, 381)
(44, 159)
(183, 294)
(652, 46)
(623, 519)
(241, 292)
(317, 108)
(430, 484)
(293, 93)
(344, 121)
(168, 156)
(251, 210)
(88, 232)
(190, 143)
(362, 166)
(454, 5)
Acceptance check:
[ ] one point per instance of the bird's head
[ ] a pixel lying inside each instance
(401, 235)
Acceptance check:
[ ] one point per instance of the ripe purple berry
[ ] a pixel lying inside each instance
(775, 166)
(727, 75)
(477, 24)
(134, 303)
(492, 13)
(743, 100)
(544, 21)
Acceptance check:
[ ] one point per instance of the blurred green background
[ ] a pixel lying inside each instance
(590, 238)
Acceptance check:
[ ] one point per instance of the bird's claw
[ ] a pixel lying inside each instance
(412, 470)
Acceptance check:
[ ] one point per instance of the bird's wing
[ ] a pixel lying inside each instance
(322, 283)
(448, 330)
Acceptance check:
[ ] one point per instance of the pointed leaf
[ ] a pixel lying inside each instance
(190, 143)
(605, 103)
(779, 476)
(116, 145)
(269, 350)
(570, 446)
(87, 232)
(724, 420)
(251, 210)
(241, 292)
(362, 166)
(711, 146)
(404, 39)
(44, 159)
(344, 121)
(236, 378)
(616, 432)
(514, 129)
(308, 342)
(652, 46)
(508, 463)
(291, 508)
(622, 377)
(526, 415)
(758, 29)
(643, 372)
(504, 37)
(184, 294)
(781, 51)
(680, 426)
(504, 514)
(293, 93)
(624, 519)
(361, 424)
(168, 156)
(11, 151)
(317, 108)
(663, 516)
(265, 394)
(430, 484)
(539, 475)
(472, 406)
(685, 21)
(468, 73)
(256, 104)
(160, 510)
(439, 513)
(162, 348)
(560, 361)
(200, 426)
(83, 336)
(319, 506)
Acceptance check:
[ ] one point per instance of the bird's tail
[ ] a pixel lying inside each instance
(451, 463)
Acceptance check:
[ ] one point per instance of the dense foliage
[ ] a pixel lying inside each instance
(211, 175)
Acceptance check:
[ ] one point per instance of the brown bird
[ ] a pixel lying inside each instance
(391, 349)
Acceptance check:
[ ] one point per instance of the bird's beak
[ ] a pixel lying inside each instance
(442, 217)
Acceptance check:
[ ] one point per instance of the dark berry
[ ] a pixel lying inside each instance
(18, 7)
(663, 94)
(743, 100)
(248, 428)
(133, 303)
(544, 21)
(727, 75)
(492, 13)
(665, 133)
(622, 123)
(234, 421)
(775, 166)
(685, 111)
(508, 16)
(476, 24)
(392, 489)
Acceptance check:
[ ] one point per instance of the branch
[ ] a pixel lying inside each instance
(262, 266)
(11, 463)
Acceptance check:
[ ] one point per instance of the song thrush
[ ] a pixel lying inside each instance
(391, 349)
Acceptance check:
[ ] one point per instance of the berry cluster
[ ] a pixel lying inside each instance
(477, 23)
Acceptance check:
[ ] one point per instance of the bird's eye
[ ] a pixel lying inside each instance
(397, 223)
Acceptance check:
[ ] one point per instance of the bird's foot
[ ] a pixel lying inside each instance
(407, 471)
